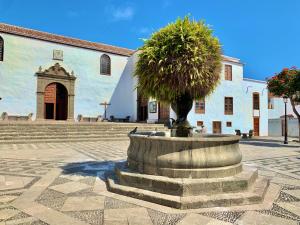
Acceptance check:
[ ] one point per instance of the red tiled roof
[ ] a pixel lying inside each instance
(5, 28)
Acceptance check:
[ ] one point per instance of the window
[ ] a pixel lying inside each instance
(228, 72)
(200, 106)
(256, 101)
(199, 123)
(228, 124)
(228, 105)
(105, 67)
(1, 48)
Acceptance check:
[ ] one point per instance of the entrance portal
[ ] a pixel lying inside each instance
(56, 102)
(142, 108)
(55, 94)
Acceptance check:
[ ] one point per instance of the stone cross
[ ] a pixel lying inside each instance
(105, 104)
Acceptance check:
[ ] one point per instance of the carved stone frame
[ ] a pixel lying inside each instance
(55, 74)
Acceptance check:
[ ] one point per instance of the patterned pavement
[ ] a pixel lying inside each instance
(64, 183)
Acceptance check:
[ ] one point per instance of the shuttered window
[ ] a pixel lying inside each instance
(1, 48)
(228, 72)
(105, 65)
(200, 106)
(228, 105)
(256, 101)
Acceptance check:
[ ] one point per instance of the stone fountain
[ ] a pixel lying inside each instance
(188, 172)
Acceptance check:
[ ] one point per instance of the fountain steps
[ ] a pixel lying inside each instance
(189, 187)
(255, 194)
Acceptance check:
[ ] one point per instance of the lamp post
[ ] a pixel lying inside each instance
(285, 100)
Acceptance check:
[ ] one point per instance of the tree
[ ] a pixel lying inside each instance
(287, 83)
(179, 63)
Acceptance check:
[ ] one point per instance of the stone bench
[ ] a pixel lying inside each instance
(81, 118)
(115, 119)
(6, 117)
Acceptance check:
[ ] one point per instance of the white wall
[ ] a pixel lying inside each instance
(275, 127)
(124, 99)
(214, 104)
(278, 108)
(22, 58)
(250, 87)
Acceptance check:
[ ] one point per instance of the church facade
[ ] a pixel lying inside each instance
(58, 78)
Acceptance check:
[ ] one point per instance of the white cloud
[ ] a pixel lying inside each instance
(120, 13)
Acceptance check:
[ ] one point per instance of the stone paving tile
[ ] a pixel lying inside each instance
(226, 216)
(159, 218)
(7, 213)
(251, 218)
(52, 199)
(134, 216)
(7, 198)
(111, 203)
(83, 203)
(69, 187)
(80, 187)
(94, 217)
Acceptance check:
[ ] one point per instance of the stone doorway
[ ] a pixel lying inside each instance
(142, 108)
(56, 102)
(55, 94)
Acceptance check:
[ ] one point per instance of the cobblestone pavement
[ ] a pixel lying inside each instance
(63, 183)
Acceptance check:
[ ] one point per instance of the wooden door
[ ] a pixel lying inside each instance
(256, 126)
(142, 108)
(217, 127)
(163, 112)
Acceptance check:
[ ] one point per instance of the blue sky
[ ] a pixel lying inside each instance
(264, 34)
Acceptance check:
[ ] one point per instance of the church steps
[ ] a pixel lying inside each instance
(59, 132)
(31, 133)
(32, 141)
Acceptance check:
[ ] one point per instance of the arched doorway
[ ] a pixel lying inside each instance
(56, 102)
(55, 93)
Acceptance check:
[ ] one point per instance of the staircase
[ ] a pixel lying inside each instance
(18, 133)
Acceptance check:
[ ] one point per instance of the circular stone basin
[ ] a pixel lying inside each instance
(193, 157)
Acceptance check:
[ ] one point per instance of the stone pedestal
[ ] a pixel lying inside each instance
(187, 173)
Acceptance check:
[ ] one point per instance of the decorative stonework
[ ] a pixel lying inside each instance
(55, 74)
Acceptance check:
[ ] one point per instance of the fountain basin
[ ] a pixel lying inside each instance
(193, 157)
(187, 173)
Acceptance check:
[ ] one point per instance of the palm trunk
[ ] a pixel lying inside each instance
(182, 107)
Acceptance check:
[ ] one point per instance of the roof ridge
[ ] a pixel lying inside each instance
(57, 38)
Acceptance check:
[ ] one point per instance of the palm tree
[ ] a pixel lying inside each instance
(179, 63)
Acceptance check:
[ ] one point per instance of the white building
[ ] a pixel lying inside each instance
(277, 120)
(56, 77)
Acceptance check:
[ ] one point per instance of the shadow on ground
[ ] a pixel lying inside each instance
(101, 169)
(268, 143)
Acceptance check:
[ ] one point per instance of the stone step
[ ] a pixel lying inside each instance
(32, 140)
(102, 124)
(253, 196)
(18, 132)
(62, 136)
(80, 128)
(189, 187)
(71, 132)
